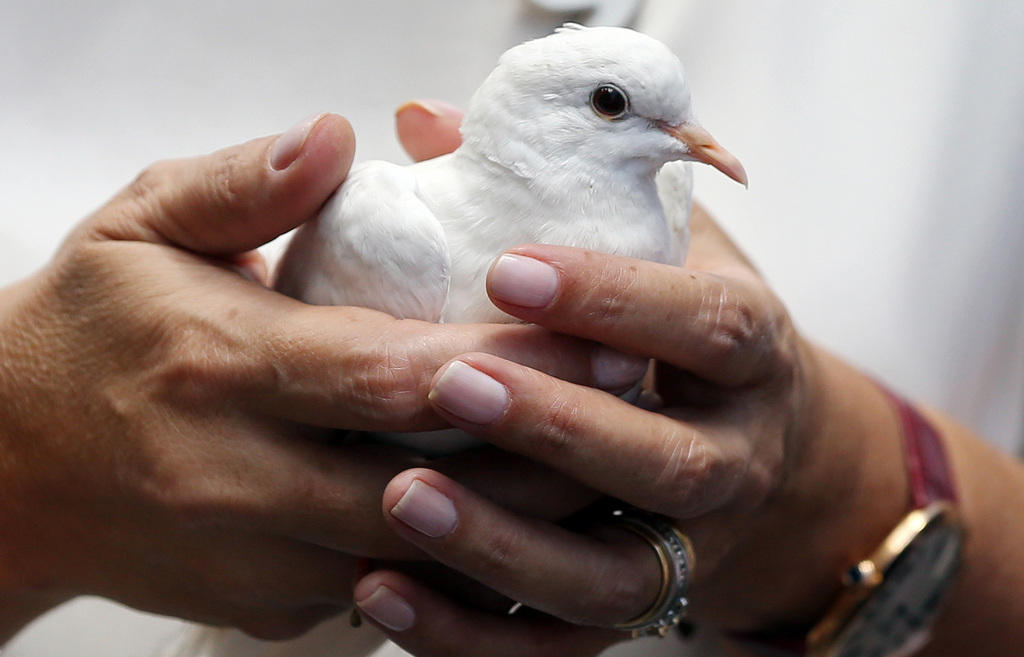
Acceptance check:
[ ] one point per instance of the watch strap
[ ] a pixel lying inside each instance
(928, 471)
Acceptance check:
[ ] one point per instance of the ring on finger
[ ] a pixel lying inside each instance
(676, 559)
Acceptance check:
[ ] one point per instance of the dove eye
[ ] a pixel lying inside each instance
(609, 101)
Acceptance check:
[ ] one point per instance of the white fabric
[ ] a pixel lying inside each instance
(884, 143)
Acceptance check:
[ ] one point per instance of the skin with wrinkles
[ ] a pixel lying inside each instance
(171, 418)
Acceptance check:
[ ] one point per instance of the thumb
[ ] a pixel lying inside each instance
(235, 199)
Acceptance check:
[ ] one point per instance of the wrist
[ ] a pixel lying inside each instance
(26, 585)
(844, 490)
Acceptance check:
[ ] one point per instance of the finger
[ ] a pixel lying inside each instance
(325, 495)
(360, 369)
(658, 463)
(236, 199)
(268, 573)
(724, 330)
(456, 586)
(272, 587)
(341, 367)
(252, 266)
(428, 128)
(427, 624)
(329, 495)
(517, 483)
(575, 577)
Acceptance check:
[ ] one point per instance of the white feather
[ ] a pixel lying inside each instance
(374, 244)
(675, 190)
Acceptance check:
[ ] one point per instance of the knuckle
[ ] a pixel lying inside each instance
(131, 213)
(611, 298)
(761, 480)
(169, 202)
(372, 370)
(82, 273)
(384, 381)
(227, 182)
(199, 355)
(768, 464)
(734, 329)
(179, 493)
(731, 324)
(741, 337)
(498, 556)
(149, 182)
(557, 427)
(146, 194)
(690, 477)
(173, 495)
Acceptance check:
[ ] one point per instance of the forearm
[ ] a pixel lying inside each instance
(984, 613)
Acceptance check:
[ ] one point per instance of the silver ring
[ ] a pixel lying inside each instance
(676, 558)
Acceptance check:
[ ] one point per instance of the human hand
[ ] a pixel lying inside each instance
(735, 454)
(166, 418)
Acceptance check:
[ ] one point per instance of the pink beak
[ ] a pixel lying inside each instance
(704, 148)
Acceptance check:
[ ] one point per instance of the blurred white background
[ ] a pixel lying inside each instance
(884, 142)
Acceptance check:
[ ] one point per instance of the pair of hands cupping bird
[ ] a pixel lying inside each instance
(717, 443)
(187, 393)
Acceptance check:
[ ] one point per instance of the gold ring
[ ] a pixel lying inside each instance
(676, 559)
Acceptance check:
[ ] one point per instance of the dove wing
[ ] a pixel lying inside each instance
(675, 190)
(374, 244)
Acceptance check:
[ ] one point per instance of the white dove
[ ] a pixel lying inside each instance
(561, 144)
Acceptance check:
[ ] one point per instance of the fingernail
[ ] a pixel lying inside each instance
(289, 145)
(613, 370)
(388, 608)
(436, 108)
(523, 281)
(468, 393)
(427, 510)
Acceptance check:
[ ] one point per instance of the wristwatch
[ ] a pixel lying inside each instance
(891, 598)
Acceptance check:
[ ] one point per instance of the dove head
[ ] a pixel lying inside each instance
(599, 97)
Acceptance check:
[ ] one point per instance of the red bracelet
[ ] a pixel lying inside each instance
(926, 460)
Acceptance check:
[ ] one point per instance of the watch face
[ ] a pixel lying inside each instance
(895, 619)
